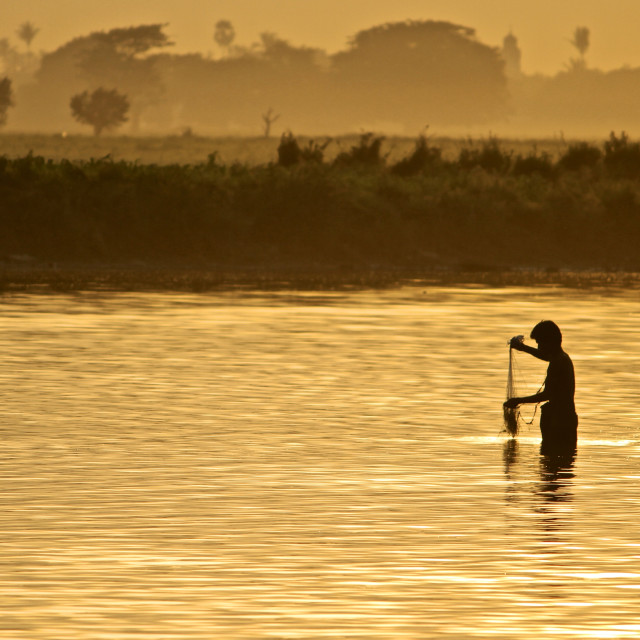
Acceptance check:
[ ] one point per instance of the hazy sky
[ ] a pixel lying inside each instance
(543, 27)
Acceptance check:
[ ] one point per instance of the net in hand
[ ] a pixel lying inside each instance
(511, 415)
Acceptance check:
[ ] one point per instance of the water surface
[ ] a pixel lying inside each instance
(257, 466)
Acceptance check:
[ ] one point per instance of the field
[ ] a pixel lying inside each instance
(198, 214)
(190, 149)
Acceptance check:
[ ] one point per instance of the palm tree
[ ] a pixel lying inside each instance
(224, 34)
(581, 41)
(27, 32)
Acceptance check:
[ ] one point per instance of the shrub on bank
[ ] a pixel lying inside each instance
(490, 157)
(367, 153)
(580, 156)
(423, 158)
(534, 163)
(291, 153)
(622, 157)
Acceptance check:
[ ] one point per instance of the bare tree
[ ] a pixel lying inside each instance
(224, 34)
(269, 118)
(27, 32)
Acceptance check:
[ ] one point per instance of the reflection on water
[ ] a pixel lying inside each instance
(312, 466)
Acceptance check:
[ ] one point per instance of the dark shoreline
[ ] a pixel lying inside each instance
(77, 278)
(481, 220)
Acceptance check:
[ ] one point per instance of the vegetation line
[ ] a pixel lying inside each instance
(486, 211)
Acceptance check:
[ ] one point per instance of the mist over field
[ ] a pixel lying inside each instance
(394, 78)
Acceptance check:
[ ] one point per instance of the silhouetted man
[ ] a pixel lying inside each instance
(558, 421)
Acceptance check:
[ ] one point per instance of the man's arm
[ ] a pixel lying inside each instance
(518, 345)
(512, 403)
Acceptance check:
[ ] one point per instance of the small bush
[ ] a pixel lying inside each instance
(367, 152)
(314, 151)
(580, 156)
(422, 158)
(621, 157)
(533, 164)
(489, 157)
(290, 152)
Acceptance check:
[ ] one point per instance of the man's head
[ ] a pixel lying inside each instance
(547, 334)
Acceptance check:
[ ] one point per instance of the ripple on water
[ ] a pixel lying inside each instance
(288, 466)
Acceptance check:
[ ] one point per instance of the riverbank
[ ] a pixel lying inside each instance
(355, 220)
(71, 278)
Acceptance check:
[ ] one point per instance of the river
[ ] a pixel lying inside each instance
(252, 466)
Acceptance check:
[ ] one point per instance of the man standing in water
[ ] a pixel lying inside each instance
(558, 421)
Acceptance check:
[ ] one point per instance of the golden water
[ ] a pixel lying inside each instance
(253, 466)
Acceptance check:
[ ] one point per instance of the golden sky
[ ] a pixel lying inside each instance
(543, 27)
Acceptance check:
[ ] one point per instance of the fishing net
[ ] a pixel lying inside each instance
(512, 415)
(513, 418)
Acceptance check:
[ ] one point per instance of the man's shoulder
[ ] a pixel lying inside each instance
(562, 362)
(566, 358)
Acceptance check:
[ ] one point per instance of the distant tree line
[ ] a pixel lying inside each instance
(405, 75)
(396, 77)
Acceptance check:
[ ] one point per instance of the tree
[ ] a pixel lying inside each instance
(27, 32)
(224, 35)
(125, 58)
(18, 65)
(10, 57)
(118, 58)
(420, 72)
(512, 55)
(269, 118)
(102, 109)
(6, 99)
(581, 42)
